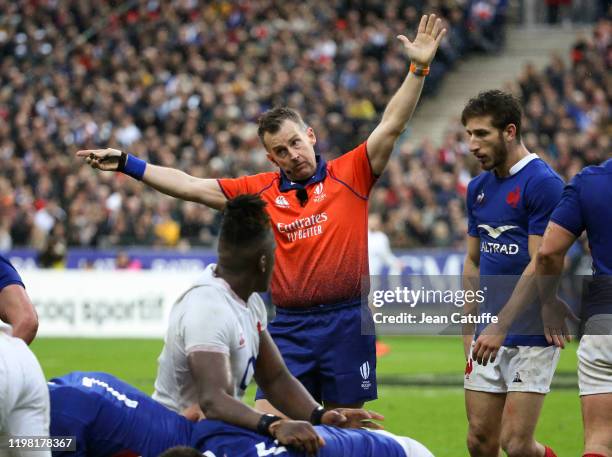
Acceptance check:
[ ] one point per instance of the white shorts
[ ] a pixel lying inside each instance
(24, 396)
(411, 447)
(595, 356)
(516, 369)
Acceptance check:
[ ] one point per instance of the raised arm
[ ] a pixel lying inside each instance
(401, 106)
(168, 181)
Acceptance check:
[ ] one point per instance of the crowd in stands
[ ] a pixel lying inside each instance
(182, 83)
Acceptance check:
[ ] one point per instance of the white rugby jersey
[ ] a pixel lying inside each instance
(209, 316)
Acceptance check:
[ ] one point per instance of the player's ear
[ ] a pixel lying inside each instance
(311, 136)
(510, 133)
(272, 159)
(263, 263)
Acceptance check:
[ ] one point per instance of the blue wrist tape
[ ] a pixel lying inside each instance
(134, 167)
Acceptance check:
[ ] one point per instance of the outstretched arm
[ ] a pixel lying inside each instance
(168, 181)
(401, 106)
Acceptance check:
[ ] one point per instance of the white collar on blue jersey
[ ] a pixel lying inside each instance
(518, 166)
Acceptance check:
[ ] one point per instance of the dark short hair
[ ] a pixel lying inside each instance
(245, 222)
(181, 451)
(504, 109)
(271, 120)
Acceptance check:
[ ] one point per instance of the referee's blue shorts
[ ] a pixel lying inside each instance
(324, 348)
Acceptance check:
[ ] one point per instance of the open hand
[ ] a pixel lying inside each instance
(554, 317)
(299, 434)
(423, 49)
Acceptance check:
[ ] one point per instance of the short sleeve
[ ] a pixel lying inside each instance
(354, 169)
(8, 274)
(207, 322)
(541, 201)
(568, 213)
(253, 184)
(469, 203)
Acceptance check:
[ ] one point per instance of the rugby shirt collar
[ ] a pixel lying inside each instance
(518, 166)
(320, 173)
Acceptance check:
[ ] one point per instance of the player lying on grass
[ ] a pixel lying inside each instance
(109, 417)
(585, 205)
(217, 339)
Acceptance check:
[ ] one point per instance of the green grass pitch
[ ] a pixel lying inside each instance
(420, 390)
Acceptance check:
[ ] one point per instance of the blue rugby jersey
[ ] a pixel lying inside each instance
(586, 204)
(108, 416)
(218, 439)
(8, 274)
(503, 212)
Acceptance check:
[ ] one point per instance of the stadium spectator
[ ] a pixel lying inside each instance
(314, 206)
(182, 84)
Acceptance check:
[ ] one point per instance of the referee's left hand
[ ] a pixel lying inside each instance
(423, 49)
(352, 418)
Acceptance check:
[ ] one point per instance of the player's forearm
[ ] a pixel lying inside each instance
(470, 282)
(525, 292)
(548, 275)
(400, 108)
(397, 113)
(179, 184)
(224, 407)
(289, 396)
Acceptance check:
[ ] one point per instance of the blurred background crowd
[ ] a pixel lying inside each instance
(182, 83)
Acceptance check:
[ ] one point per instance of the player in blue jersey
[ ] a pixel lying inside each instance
(109, 417)
(508, 207)
(585, 205)
(16, 308)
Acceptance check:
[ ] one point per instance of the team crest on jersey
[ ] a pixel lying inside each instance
(364, 370)
(513, 197)
(281, 202)
(319, 194)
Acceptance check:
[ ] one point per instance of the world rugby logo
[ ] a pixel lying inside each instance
(365, 374)
(319, 195)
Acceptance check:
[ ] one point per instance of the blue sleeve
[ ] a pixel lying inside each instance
(541, 202)
(469, 202)
(568, 213)
(8, 274)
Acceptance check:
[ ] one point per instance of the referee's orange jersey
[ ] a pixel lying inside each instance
(322, 247)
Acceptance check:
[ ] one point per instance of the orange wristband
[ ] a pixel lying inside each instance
(419, 71)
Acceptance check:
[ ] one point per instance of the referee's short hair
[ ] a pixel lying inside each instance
(271, 120)
(504, 109)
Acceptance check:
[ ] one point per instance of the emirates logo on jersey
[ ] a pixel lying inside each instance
(281, 202)
(319, 194)
(514, 197)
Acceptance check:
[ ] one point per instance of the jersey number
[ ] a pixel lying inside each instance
(262, 451)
